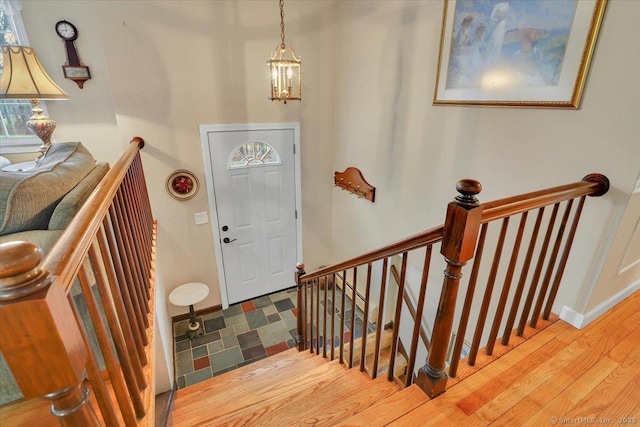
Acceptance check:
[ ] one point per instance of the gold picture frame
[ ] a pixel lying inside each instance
(77, 73)
(528, 54)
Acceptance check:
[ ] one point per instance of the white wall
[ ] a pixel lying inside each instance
(622, 265)
(89, 114)
(414, 152)
(176, 65)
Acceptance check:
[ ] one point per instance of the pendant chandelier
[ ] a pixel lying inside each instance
(286, 84)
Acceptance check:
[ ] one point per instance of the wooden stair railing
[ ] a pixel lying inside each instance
(537, 292)
(424, 336)
(461, 239)
(109, 249)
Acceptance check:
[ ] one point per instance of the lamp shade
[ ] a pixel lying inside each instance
(24, 78)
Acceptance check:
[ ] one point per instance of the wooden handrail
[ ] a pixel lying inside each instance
(410, 243)
(591, 185)
(64, 259)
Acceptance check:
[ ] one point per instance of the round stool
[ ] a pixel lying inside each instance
(188, 295)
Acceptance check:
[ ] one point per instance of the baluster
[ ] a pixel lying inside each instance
(468, 301)
(396, 318)
(563, 260)
(128, 281)
(552, 261)
(307, 319)
(145, 221)
(130, 299)
(124, 320)
(143, 185)
(141, 188)
(324, 317)
(95, 376)
(144, 208)
(130, 254)
(310, 286)
(133, 280)
(318, 338)
(116, 331)
(119, 388)
(138, 234)
(48, 339)
(353, 315)
(379, 325)
(344, 296)
(333, 315)
(536, 274)
(136, 228)
(417, 322)
(301, 312)
(506, 287)
(137, 202)
(136, 257)
(488, 292)
(460, 234)
(523, 278)
(365, 320)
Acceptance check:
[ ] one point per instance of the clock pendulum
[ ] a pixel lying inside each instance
(73, 69)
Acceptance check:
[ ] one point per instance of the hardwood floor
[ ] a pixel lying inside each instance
(290, 388)
(562, 375)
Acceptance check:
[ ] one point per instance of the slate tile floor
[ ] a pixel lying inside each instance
(242, 334)
(235, 337)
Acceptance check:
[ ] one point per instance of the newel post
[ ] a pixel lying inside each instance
(40, 338)
(459, 239)
(300, 314)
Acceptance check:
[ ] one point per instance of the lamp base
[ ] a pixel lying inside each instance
(42, 126)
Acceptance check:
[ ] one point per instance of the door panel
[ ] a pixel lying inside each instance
(242, 200)
(276, 251)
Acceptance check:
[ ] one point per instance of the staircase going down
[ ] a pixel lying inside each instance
(293, 388)
(385, 354)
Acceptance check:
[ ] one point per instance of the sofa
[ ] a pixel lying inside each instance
(37, 205)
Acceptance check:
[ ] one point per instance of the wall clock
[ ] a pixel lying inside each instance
(73, 69)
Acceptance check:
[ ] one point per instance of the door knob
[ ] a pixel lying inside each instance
(226, 240)
(225, 228)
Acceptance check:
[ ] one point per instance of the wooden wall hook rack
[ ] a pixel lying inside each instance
(353, 181)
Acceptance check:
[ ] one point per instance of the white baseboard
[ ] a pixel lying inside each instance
(580, 320)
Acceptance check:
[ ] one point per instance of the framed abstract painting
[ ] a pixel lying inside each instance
(525, 53)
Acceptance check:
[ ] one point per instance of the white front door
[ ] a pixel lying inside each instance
(251, 180)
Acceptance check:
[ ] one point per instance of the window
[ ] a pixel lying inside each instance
(253, 153)
(14, 113)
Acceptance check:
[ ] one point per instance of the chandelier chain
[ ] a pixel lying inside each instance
(282, 45)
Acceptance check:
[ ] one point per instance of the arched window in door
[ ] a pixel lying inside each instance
(253, 153)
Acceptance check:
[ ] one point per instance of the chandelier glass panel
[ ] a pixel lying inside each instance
(286, 82)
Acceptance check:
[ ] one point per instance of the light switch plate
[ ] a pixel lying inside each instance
(201, 218)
